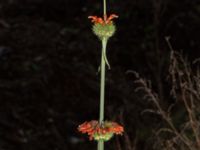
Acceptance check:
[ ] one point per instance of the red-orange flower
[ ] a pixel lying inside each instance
(88, 127)
(100, 132)
(102, 21)
(116, 128)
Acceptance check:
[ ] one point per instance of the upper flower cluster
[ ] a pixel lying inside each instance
(103, 27)
(98, 131)
(106, 20)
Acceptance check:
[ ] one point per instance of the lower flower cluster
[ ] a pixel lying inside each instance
(103, 131)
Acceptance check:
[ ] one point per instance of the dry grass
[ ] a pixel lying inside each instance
(185, 90)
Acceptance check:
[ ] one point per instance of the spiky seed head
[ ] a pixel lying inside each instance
(104, 30)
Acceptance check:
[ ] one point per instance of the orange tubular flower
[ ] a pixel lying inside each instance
(96, 19)
(103, 132)
(99, 20)
(117, 128)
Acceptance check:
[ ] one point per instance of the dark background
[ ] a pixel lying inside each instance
(49, 59)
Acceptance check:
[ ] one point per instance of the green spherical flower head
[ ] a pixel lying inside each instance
(103, 137)
(104, 30)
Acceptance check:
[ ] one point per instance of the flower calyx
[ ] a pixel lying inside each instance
(101, 132)
(103, 27)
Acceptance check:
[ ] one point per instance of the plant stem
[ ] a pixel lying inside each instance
(102, 80)
(104, 9)
(102, 89)
(100, 145)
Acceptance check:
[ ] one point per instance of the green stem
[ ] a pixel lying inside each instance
(100, 145)
(102, 80)
(102, 89)
(104, 9)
